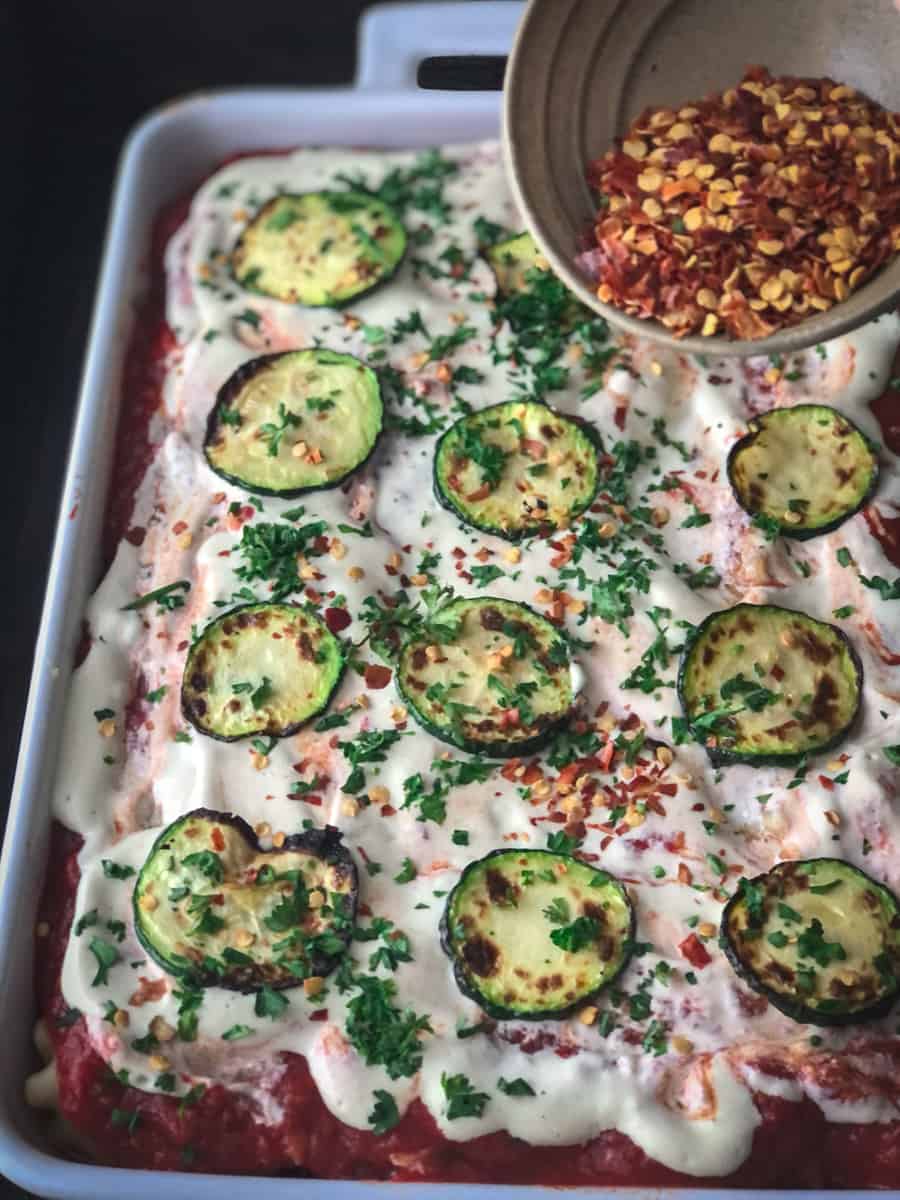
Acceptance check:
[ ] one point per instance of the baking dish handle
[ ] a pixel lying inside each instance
(394, 38)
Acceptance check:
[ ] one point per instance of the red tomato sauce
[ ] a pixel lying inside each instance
(886, 529)
(886, 409)
(793, 1146)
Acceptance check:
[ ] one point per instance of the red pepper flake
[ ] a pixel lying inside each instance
(320, 1014)
(150, 990)
(377, 677)
(179, 527)
(827, 784)
(218, 841)
(480, 493)
(694, 951)
(337, 619)
(769, 202)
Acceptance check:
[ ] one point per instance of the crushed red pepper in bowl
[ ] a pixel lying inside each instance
(748, 211)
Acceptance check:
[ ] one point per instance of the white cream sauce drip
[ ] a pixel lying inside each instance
(691, 1111)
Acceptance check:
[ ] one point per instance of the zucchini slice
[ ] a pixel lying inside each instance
(533, 934)
(516, 469)
(285, 424)
(819, 938)
(212, 905)
(260, 669)
(319, 248)
(493, 677)
(806, 468)
(512, 259)
(762, 684)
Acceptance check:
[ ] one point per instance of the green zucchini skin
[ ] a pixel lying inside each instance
(455, 940)
(229, 398)
(781, 883)
(471, 615)
(323, 846)
(800, 458)
(236, 624)
(275, 236)
(545, 426)
(695, 645)
(511, 260)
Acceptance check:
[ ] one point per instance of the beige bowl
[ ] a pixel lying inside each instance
(580, 70)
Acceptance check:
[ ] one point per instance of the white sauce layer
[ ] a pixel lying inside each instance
(689, 1107)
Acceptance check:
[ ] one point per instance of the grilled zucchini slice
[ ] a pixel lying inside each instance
(516, 469)
(762, 684)
(533, 934)
(806, 468)
(819, 938)
(211, 905)
(319, 248)
(285, 424)
(260, 669)
(512, 259)
(493, 677)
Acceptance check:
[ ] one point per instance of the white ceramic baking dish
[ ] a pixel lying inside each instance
(168, 152)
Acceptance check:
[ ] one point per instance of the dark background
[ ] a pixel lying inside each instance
(80, 73)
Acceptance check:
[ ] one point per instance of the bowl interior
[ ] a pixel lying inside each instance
(580, 70)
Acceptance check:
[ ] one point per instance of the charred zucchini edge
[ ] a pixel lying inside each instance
(325, 844)
(335, 302)
(460, 508)
(231, 389)
(797, 1010)
(496, 749)
(800, 531)
(503, 1012)
(720, 756)
(283, 731)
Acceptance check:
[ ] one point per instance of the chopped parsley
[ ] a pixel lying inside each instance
(107, 956)
(515, 1087)
(462, 1099)
(577, 936)
(114, 870)
(270, 1003)
(384, 1115)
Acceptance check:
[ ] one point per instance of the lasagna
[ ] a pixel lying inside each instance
(482, 759)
